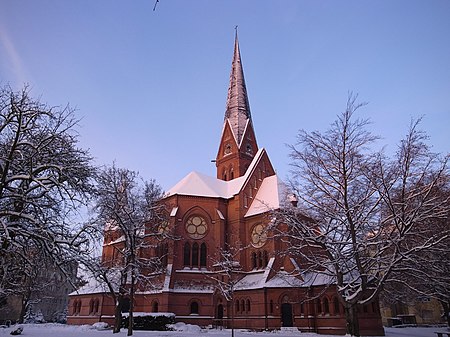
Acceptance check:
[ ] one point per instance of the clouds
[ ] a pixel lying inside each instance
(11, 61)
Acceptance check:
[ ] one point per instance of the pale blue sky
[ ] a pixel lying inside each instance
(151, 86)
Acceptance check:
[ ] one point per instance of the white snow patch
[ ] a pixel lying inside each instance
(100, 326)
(62, 330)
(180, 326)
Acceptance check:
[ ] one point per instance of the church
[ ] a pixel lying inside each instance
(229, 214)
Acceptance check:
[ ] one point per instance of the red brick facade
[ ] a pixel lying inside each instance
(210, 213)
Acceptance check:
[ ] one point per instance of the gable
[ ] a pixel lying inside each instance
(228, 144)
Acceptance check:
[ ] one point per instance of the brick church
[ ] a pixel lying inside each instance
(231, 211)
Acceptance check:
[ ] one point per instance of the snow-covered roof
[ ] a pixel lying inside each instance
(251, 281)
(283, 279)
(259, 280)
(271, 195)
(316, 279)
(256, 280)
(199, 184)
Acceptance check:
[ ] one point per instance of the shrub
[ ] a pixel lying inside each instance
(150, 321)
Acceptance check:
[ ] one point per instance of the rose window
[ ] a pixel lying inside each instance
(196, 227)
(258, 236)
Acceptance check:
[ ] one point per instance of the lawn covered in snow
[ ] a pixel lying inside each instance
(49, 329)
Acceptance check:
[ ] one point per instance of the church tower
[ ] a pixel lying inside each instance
(238, 142)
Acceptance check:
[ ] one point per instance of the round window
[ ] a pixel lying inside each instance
(258, 236)
(196, 227)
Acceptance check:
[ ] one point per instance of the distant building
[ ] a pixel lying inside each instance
(415, 310)
(230, 210)
(51, 300)
(10, 307)
(48, 299)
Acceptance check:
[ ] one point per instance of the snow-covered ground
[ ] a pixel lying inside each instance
(50, 330)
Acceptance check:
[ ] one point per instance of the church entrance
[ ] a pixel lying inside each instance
(286, 314)
(219, 316)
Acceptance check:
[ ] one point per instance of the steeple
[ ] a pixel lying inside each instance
(238, 142)
(238, 109)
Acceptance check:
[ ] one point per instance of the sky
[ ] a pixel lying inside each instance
(150, 86)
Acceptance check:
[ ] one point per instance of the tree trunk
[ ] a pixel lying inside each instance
(351, 317)
(446, 307)
(118, 315)
(23, 309)
(24, 303)
(130, 317)
(232, 317)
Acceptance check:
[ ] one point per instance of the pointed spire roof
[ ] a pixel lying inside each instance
(238, 109)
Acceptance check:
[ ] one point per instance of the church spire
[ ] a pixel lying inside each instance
(238, 142)
(238, 109)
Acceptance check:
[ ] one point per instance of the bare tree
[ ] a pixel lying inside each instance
(131, 209)
(226, 275)
(44, 178)
(360, 214)
(426, 273)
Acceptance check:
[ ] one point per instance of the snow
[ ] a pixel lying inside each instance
(270, 196)
(152, 314)
(120, 239)
(284, 279)
(52, 329)
(199, 184)
(174, 211)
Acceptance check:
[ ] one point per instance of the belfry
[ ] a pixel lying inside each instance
(229, 212)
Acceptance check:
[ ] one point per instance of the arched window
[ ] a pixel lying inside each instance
(220, 311)
(91, 307)
(245, 200)
(155, 306)
(319, 306)
(194, 308)
(242, 305)
(162, 250)
(266, 258)
(271, 306)
(203, 255)
(231, 174)
(254, 265)
(195, 255)
(224, 175)
(302, 308)
(374, 307)
(248, 305)
(260, 260)
(336, 305)
(326, 307)
(237, 305)
(187, 254)
(75, 307)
